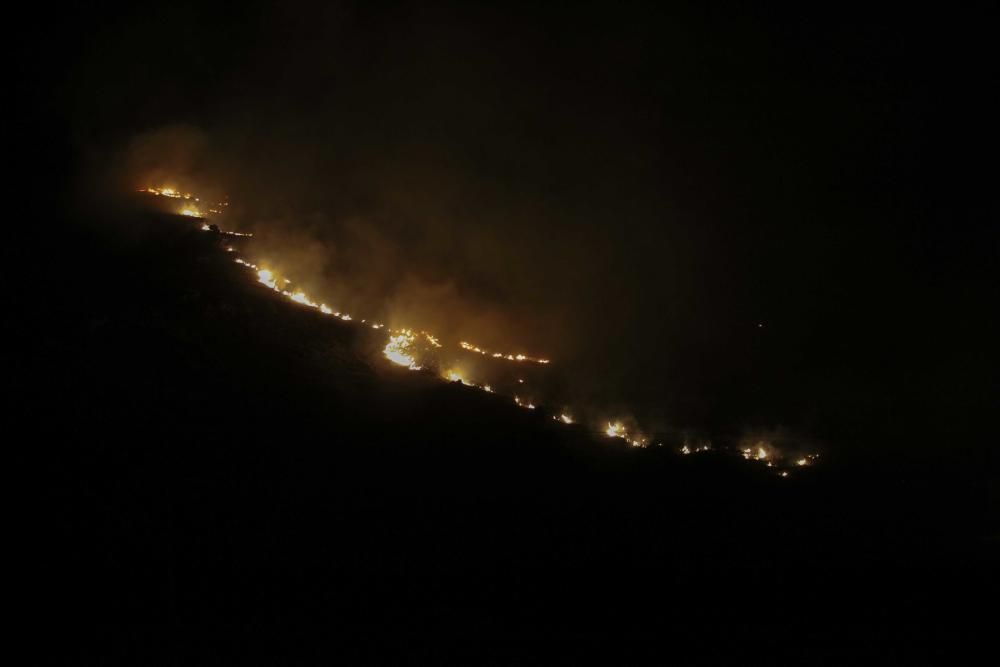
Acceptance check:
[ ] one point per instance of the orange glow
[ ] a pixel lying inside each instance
(407, 348)
(267, 278)
(615, 430)
(398, 350)
(498, 355)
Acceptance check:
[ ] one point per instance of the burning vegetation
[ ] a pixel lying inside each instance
(417, 350)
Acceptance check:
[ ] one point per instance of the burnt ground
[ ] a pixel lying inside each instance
(226, 477)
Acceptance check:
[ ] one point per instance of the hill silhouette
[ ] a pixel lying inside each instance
(236, 478)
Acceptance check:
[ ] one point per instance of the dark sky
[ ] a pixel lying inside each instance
(628, 189)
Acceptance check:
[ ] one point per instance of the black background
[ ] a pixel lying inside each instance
(825, 171)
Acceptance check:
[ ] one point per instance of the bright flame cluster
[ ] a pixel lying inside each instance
(189, 210)
(169, 192)
(398, 350)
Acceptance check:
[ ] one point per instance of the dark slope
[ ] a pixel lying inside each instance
(233, 478)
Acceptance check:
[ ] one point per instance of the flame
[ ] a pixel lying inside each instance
(267, 278)
(615, 430)
(398, 350)
(191, 212)
(300, 297)
(760, 454)
(565, 419)
(165, 192)
(455, 376)
(498, 355)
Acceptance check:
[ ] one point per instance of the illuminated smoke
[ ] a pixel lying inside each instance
(402, 348)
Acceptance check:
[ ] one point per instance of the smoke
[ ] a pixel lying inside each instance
(648, 204)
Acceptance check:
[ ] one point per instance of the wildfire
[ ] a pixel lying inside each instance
(498, 355)
(455, 376)
(398, 350)
(167, 192)
(190, 210)
(760, 454)
(267, 278)
(300, 297)
(705, 446)
(615, 430)
(402, 348)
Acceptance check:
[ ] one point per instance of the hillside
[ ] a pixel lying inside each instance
(237, 478)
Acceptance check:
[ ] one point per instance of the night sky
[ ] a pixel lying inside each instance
(763, 239)
(714, 218)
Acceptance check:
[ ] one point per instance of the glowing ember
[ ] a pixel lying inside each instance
(497, 355)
